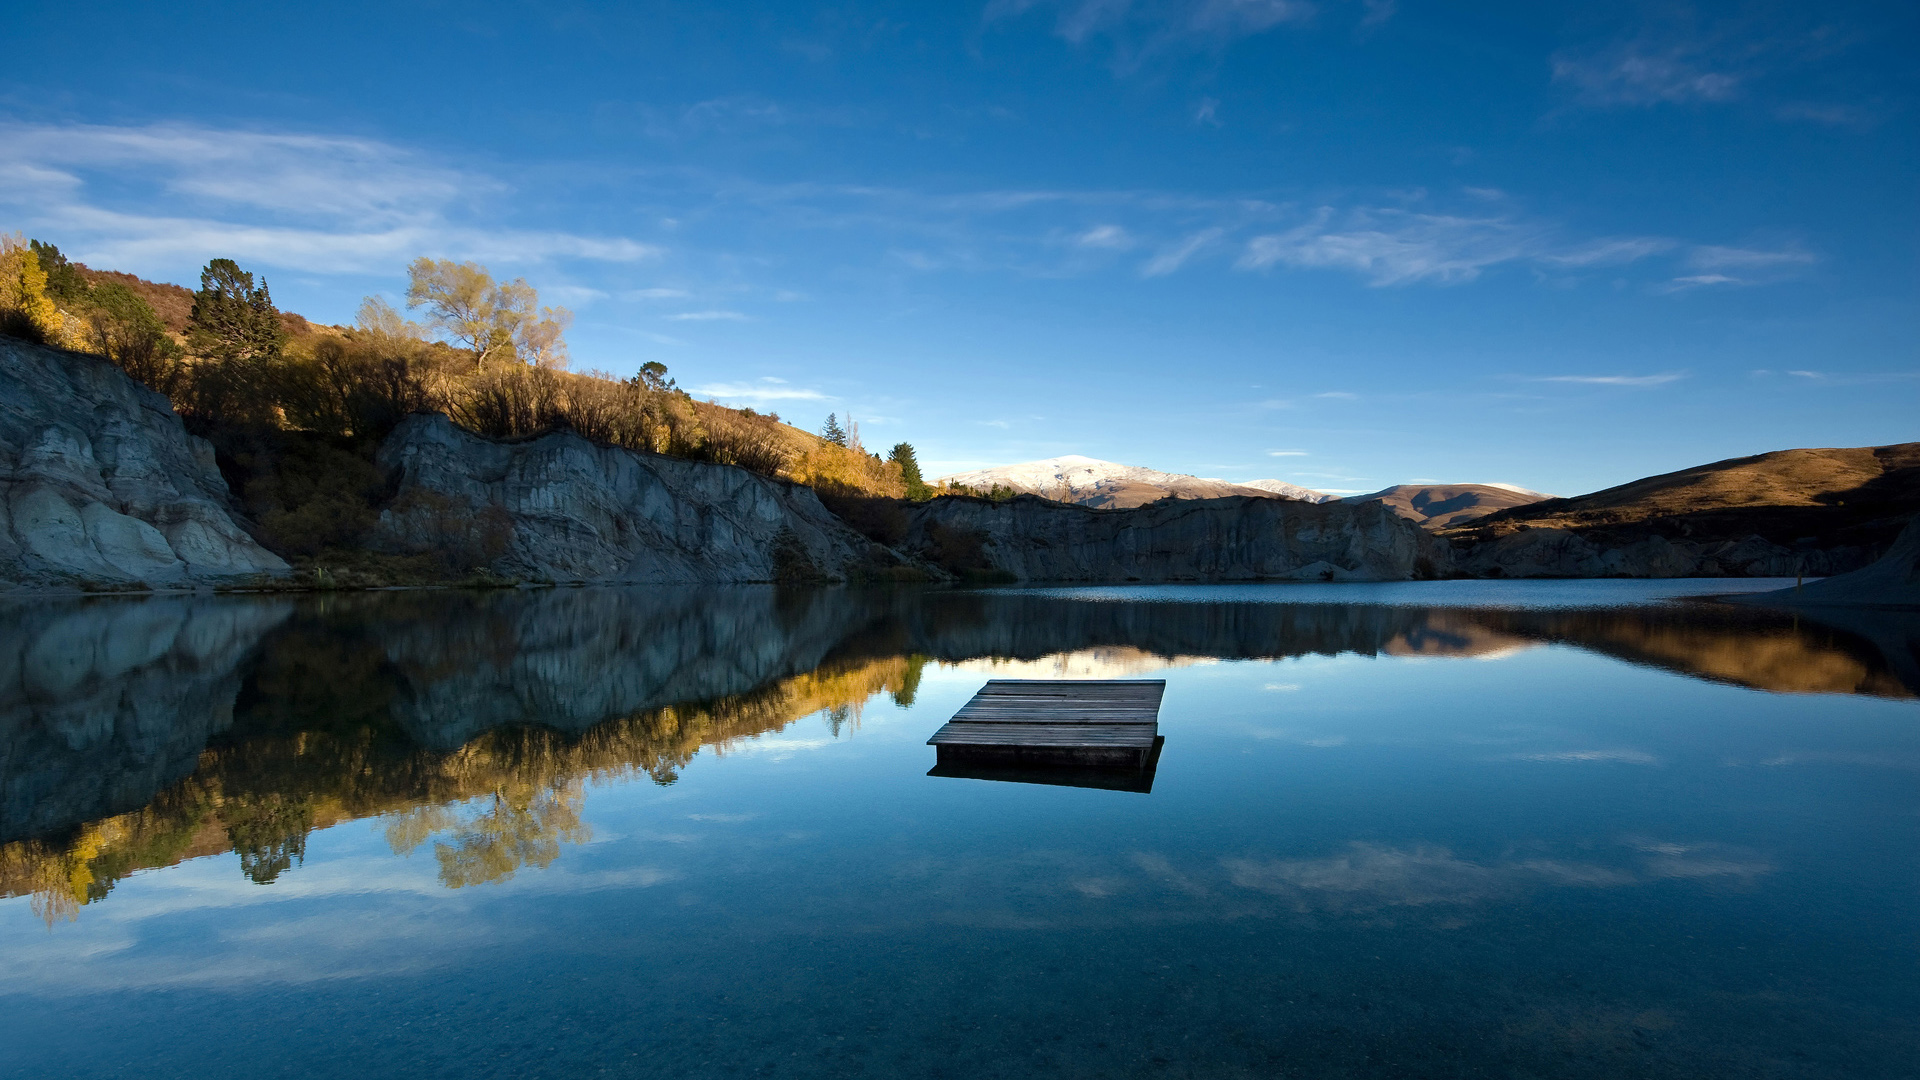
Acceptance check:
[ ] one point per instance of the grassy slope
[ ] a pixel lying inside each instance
(1826, 497)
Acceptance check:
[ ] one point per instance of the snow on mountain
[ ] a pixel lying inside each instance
(1290, 491)
(1092, 482)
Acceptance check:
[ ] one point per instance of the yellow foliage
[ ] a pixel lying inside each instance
(23, 287)
(531, 783)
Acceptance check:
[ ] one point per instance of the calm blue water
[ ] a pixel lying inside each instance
(1458, 830)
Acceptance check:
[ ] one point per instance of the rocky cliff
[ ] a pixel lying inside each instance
(1892, 581)
(1568, 553)
(1234, 539)
(100, 484)
(559, 508)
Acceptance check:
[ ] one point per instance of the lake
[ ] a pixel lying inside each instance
(1450, 829)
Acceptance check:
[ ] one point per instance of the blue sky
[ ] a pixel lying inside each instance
(1345, 244)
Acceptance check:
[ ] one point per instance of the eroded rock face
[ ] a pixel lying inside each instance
(100, 484)
(559, 508)
(1565, 553)
(104, 702)
(1235, 539)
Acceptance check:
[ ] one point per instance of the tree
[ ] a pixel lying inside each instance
(653, 376)
(903, 456)
(833, 432)
(382, 320)
(126, 331)
(65, 285)
(234, 321)
(25, 310)
(493, 320)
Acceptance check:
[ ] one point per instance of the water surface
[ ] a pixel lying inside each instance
(1446, 829)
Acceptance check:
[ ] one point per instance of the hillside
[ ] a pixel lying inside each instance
(1108, 485)
(1814, 498)
(1443, 506)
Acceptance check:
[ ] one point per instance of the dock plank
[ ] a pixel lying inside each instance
(1107, 721)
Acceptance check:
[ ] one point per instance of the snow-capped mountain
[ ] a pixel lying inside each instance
(1092, 482)
(1290, 491)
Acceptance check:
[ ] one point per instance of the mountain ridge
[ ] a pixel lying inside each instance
(1087, 481)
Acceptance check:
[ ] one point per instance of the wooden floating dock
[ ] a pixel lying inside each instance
(1107, 724)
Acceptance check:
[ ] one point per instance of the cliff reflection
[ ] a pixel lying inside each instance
(141, 733)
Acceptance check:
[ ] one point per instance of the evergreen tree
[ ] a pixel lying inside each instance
(903, 456)
(233, 320)
(833, 432)
(64, 283)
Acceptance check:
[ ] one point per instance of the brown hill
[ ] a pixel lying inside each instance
(1827, 498)
(1443, 506)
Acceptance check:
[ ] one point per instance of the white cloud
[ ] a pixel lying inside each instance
(1636, 74)
(1287, 453)
(1340, 395)
(1207, 112)
(1396, 247)
(708, 316)
(1176, 256)
(1613, 251)
(1616, 380)
(577, 295)
(758, 392)
(1138, 31)
(1710, 257)
(1110, 237)
(150, 198)
(1694, 281)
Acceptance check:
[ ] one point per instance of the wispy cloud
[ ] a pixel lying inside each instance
(1109, 237)
(1615, 380)
(1287, 453)
(764, 390)
(1610, 251)
(1636, 73)
(1174, 257)
(1338, 395)
(1395, 247)
(150, 198)
(1709, 257)
(1139, 31)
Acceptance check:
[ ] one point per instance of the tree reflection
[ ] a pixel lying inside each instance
(475, 721)
(521, 825)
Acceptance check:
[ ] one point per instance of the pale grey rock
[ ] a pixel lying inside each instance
(1233, 539)
(560, 508)
(101, 485)
(104, 702)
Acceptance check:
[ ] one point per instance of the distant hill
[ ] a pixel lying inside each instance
(1442, 506)
(1817, 497)
(1108, 485)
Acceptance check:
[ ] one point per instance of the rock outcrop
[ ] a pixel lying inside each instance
(1234, 539)
(1565, 553)
(104, 702)
(1891, 581)
(560, 508)
(100, 484)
